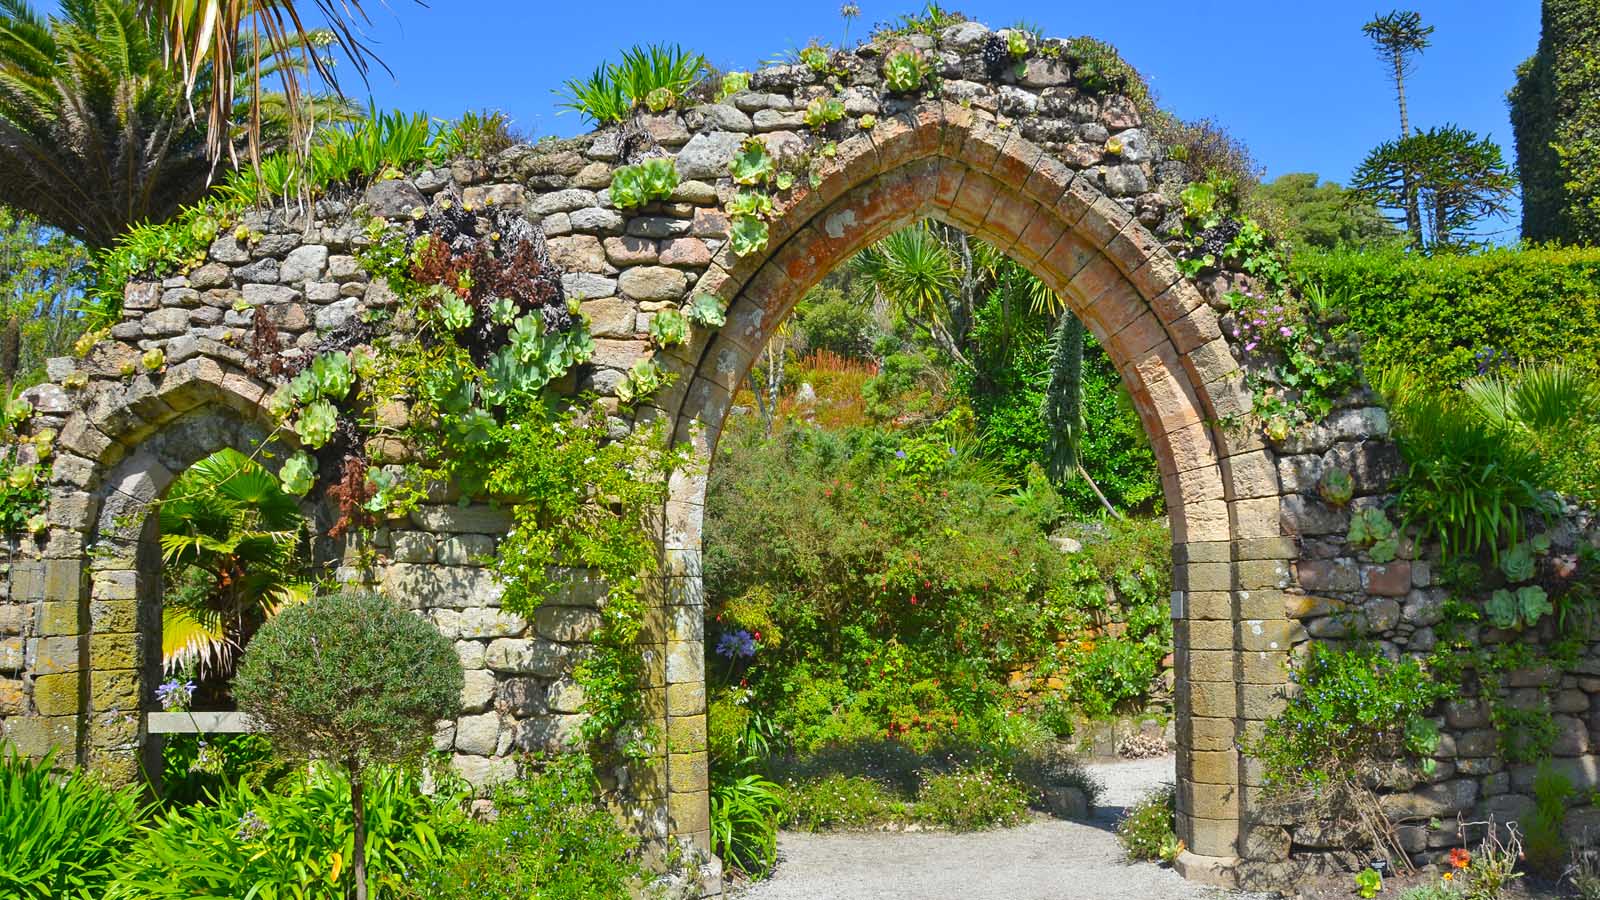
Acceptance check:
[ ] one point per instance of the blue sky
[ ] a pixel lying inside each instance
(1295, 79)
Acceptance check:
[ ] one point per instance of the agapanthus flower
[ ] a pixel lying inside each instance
(736, 644)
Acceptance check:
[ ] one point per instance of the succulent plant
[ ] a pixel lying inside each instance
(660, 100)
(733, 83)
(333, 375)
(823, 111)
(317, 423)
(298, 474)
(816, 58)
(905, 71)
(752, 164)
(653, 179)
(645, 378)
(706, 310)
(454, 312)
(747, 235)
(1336, 487)
(668, 328)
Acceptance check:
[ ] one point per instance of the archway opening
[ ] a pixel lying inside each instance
(235, 548)
(937, 568)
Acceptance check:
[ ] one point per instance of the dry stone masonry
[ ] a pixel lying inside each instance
(1065, 178)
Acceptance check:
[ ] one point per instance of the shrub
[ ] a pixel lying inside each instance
(655, 76)
(354, 679)
(838, 802)
(1147, 832)
(1354, 708)
(1054, 766)
(1450, 316)
(1556, 115)
(297, 840)
(63, 836)
(552, 839)
(971, 800)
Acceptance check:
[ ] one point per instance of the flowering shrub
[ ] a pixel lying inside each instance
(971, 800)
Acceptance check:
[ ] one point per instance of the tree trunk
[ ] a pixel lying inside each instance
(1413, 209)
(358, 806)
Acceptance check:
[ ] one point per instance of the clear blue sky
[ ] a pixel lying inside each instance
(1295, 79)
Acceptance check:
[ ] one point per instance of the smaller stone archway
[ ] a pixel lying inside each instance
(102, 606)
(942, 161)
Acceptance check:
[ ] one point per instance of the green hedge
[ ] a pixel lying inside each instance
(1555, 111)
(1437, 314)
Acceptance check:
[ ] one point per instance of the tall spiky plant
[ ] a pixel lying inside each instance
(1398, 36)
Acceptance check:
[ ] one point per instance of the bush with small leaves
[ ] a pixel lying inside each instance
(354, 679)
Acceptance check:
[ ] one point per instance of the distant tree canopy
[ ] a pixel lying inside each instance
(1322, 214)
(1555, 111)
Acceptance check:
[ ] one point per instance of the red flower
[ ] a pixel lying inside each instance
(1460, 858)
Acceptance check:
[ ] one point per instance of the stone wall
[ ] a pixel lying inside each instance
(1060, 175)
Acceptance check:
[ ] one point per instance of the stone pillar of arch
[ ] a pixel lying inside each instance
(941, 161)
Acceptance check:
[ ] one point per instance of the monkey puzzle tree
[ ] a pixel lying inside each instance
(1454, 177)
(1398, 36)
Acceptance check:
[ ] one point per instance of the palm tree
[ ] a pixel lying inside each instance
(95, 132)
(231, 551)
(94, 136)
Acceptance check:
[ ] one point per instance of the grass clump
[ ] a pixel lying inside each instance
(839, 802)
(972, 799)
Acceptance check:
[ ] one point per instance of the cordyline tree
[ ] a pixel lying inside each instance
(352, 679)
(1455, 177)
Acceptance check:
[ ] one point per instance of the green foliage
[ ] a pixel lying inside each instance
(1519, 610)
(752, 164)
(1354, 708)
(837, 802)
(1556, 116)
(657, 75)
(42, 275)
(1475, 465)
(1099, 69)
(1371, 530)
(1456, 177)
(558, 531)
(1011, 384)
(1369, 882)
(906, 71)
(383, 143)
(295, 842)
(732, 83)
(747, 235)
(889, 583)
(836, 323)
(1148, 831)
(380, 679)
(1322, 215)
(643, 379)
(972, 800)
(551, 839)
(1543, 843)
(744, 822)
(196, 767)
(476, 135)
(1448, 317)
(653, 179)
(64, 836)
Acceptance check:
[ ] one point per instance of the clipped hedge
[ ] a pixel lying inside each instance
(1446, 315)
(1555, 111)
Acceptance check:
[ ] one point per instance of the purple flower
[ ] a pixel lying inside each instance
(250, 826)
(899, 454)
(736, 644)
(175, 694)
(1286, 331)
(1250, 346)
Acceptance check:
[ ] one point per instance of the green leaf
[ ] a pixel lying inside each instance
(1503, 609)
(669, 328)
(707, 311)
(316, 424)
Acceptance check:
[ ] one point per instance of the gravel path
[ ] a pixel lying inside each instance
(1046, 859)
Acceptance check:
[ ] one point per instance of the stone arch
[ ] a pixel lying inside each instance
(122, 449)
(940, 160)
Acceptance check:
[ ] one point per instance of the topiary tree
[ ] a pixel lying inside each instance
(353, 679)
